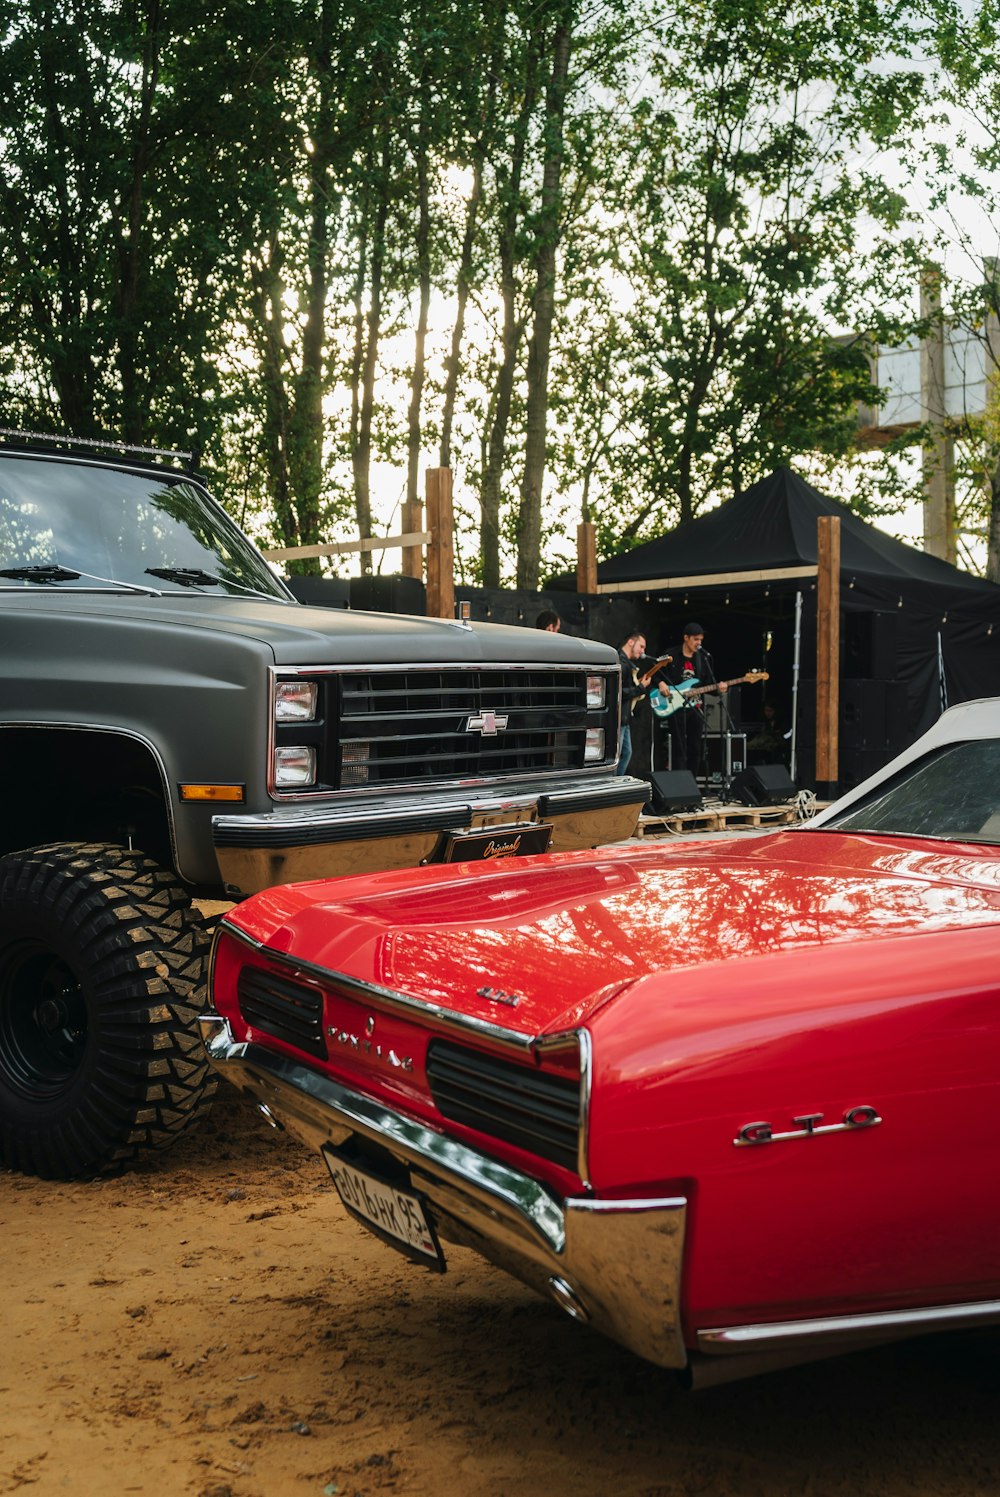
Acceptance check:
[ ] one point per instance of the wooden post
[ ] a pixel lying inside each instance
(827, 655)
(586, 557)
(441, 549)
(412, 564)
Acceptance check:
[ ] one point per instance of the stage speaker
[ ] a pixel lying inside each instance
(321, 592)
(868, 647)
(673, 790)
(863, 714)
(392, 593)
(763, 785)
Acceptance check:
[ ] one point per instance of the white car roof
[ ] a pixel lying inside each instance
(979, 719)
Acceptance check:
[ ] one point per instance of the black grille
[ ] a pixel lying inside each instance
(532, 1109)
(287, 1010)
(399, 727)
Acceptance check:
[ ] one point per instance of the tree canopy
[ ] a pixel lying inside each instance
(603, 260)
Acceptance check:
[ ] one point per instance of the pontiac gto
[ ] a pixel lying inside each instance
(732, 1103)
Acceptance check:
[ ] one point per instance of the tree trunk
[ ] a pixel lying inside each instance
(420, 336)
(509, 199)
(462, 288)
(267, 303)
(529, 527)
(993, 534)
(363, 447)
(130, 235)
(306, 427)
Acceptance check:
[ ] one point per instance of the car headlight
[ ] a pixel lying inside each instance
(294, 766)
(295, 702)
(597, 691)
(594, 748)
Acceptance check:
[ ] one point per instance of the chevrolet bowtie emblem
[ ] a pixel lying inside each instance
(488, 723)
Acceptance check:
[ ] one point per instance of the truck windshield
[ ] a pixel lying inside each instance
(148, 530)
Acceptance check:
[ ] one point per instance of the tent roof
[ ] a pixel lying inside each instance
(768, 531)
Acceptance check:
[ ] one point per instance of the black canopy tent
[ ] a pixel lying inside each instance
(916, 632)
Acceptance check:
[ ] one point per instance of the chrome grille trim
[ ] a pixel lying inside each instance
(411, 723)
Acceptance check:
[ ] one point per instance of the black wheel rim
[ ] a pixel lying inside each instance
(43, 1020)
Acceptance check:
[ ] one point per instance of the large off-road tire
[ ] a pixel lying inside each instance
(102, 974)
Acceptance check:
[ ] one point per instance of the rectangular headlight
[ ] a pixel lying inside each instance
(594, 749)
(294, 766)
(597, 688)
(295, 702)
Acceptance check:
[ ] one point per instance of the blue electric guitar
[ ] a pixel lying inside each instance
(665, 700)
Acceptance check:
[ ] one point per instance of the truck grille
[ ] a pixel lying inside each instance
(288, 1011)
(536, 1111)
(400, 727)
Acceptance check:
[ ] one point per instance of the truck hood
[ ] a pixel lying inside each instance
(300, 635)
(539, 944)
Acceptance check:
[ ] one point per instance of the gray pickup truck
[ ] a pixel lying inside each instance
(174, 726)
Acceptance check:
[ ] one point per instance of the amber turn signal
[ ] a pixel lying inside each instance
(212, 792)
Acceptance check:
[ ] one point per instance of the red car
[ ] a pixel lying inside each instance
(732, 1103)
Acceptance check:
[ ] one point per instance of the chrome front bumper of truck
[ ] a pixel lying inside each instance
(373, 834)
(613, 1264)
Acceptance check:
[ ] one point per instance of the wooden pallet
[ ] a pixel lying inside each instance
(715, 818)
(735, 817)
(678, 822)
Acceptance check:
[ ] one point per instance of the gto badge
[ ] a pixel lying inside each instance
(763, 1133)
(365, 1045)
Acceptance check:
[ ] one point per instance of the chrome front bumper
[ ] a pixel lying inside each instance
(372, 834)
(613, 1264)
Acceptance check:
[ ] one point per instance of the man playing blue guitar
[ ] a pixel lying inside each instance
(678, 699)
(690, 667)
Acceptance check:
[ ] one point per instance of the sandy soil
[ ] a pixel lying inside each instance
(213, 1324)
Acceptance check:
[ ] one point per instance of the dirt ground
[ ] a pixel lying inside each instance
(212, 1324)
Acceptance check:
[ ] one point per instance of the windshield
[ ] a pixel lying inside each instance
(954, 794)
(117, 527)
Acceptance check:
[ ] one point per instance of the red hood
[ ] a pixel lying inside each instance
(561, 934)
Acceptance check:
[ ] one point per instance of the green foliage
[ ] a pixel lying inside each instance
(220, 223)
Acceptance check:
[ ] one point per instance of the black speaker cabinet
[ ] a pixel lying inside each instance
(763, 785)
(869, 646)
(863, 714)
(673, 790)
(389, 594)
(321, 592)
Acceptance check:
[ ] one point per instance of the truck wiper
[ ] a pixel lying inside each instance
(186, 576)
(195, 577)
(40, 574)
(50, 573)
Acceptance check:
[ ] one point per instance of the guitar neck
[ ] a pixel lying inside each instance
(697, 691)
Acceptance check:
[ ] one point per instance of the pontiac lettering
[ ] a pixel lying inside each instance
(365, 1045)
(809, 1127)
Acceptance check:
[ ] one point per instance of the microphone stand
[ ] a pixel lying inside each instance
(725, 747)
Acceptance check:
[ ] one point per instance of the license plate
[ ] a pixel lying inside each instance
(392, 1214)
(517, 841)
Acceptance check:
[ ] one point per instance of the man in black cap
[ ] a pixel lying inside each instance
(691, 663)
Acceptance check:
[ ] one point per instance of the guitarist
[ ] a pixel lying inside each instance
(634, 685)
(687, 727)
